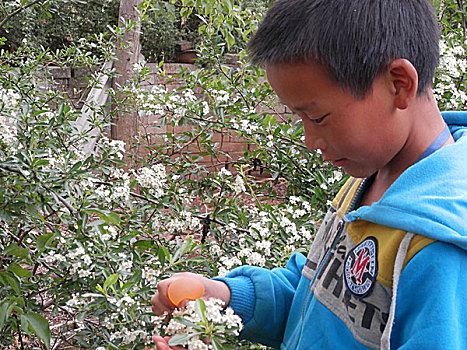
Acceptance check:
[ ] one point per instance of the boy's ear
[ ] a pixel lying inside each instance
(403, 79)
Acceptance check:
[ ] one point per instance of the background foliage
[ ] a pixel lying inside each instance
(83, 238)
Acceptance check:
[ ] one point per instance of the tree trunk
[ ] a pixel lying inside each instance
(125, 124)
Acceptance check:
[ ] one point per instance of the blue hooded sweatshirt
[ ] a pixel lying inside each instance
(390, 275)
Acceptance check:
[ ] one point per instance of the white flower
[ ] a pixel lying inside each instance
(121, 192)
(239, 185)
(50, 258)
(205, 108)
(8, 130)
(116, 147)
(223, 173)
(323, 186)
(221, 96)
(150, 275)
(215, 249)
(245, 125)
(84, 273)
(256, 259)
(230, 262)
(125, 267)
(189, 95)
(153, 178)
(264, 245)
(9, 99)
(74, 301)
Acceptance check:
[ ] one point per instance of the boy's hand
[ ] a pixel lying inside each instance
(163, 343)
(212, 289)
(161, 302)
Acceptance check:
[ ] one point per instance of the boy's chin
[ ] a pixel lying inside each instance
(358, 172)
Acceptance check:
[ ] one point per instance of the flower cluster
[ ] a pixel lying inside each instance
(7, 130)
(151, 101)
(9, 99)
(245, 125)
(449, 88)
(258, 246)
(153, 178)
(115, 148)
(200, 323)
(159, 101)
(183, 222)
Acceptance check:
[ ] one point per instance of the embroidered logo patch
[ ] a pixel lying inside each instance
(361, 267)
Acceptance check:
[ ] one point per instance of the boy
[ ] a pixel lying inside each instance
(387, 267)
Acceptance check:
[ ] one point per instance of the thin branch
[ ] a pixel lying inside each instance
(188, 143)
(63, 201)
(18, 10)
(460, 3)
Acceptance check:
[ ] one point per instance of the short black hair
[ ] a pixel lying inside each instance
(354, 40)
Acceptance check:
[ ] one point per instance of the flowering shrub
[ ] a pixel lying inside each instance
(84, 239)
(451, 80)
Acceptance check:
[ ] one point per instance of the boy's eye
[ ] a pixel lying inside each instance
(318, 120)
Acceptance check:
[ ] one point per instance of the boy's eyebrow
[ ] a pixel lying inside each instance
(305, 107)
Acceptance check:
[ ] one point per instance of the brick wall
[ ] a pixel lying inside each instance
(73, 81)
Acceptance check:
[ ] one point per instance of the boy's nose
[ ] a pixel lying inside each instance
(313, 141)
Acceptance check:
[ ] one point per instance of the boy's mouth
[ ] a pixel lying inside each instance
(339, 162)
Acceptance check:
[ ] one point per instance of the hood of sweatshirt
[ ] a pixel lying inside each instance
(430, 197)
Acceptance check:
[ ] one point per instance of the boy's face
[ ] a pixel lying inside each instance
(360, 135)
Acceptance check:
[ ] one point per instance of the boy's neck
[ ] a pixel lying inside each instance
(426, 124)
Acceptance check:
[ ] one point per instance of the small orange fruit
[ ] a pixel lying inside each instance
(185, 288)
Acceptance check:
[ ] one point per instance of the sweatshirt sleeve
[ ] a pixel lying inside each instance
(431, 308)
(262, 298)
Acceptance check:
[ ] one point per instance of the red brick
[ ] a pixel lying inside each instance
(175, 68)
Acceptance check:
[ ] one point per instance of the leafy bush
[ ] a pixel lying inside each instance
(57, 24)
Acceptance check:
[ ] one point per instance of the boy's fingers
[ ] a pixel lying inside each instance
(163, 343)
(160, 301)
(158, 304)
(183, 303)
(160, 343)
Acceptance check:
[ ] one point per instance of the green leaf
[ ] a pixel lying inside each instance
(9, 280)
(44, 241)
(229, 38)
(186, 322)
(143, 245)
(180, 339)
(163, 254)
(15, 250)
(39, 326)
(200, 309)
(111, 280)
(185, 247)
(19, 271)
(5, 310)
(137, 276)
(100, 289)
(216, 345)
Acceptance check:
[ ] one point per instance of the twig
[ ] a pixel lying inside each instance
(188, 143)
(63, 200)
(235, 86)
(18, 10)
(460, 3)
